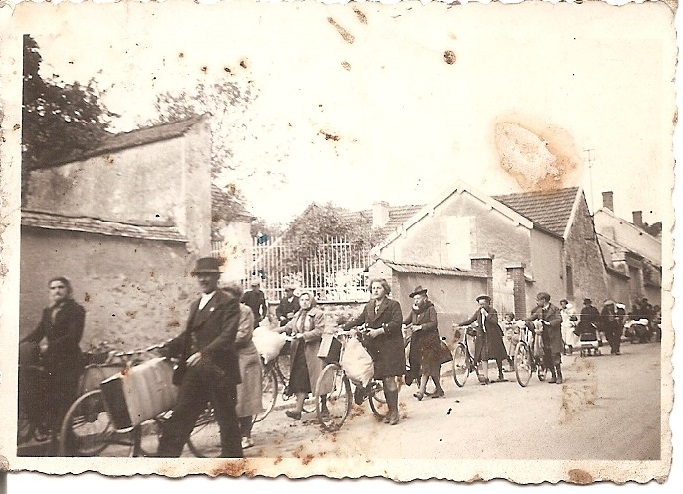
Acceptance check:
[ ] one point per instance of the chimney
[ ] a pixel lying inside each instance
(516, 273)
(484, 265)
(638, 218)
(380, 214)
(608, 200)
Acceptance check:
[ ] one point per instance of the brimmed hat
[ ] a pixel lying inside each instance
(543, 296)
(206, 265)
(587, 301)
(482, 296)
(418, 290)
(608, 302)
(290, 288)
(255, 282)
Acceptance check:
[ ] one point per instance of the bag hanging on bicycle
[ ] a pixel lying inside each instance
(357, 362)
(330, 348)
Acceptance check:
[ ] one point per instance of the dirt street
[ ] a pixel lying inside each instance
(608, 408)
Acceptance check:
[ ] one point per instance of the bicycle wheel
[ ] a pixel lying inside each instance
(269, 394)
(205, 439)
(87, 430)
(523, 363)
(334, 384)
(378, 402)
(461, 365)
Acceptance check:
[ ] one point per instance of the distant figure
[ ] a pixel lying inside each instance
(255, 299)
(588, 320)
(288, 306)
(569, 321)
(549, 315)
(609, 323)
(61, 326)
(489, 340)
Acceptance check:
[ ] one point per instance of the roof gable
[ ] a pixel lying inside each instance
(551, 210)
(225, 207)
(134, 138)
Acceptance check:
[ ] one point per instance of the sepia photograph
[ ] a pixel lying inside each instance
(401, 240)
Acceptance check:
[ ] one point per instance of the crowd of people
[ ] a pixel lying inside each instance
(220, 365)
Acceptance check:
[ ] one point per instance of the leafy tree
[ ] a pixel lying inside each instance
(59, 120)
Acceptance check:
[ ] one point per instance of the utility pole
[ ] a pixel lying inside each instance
(589, 153)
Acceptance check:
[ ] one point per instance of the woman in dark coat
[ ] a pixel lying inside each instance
(489, 341)
(383, 317)
(62, 327)
(425, 355)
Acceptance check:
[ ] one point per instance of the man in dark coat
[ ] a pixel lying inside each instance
(211, 370)
(609, 323)
(588, 319)
(62, 327)
(489, 340)
(288, 306)
(255, 299)
(383, 317)
(550, 317)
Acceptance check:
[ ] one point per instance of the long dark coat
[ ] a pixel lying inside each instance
(286, 307)
(63, 353)
(552, 333)
(489, 342)
(212, 332)
(387, 351)
(589, 316)
(425, 356)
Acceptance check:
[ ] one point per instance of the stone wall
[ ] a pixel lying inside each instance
(135, 292)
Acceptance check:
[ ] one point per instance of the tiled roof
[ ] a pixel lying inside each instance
(226, 207)
(126, 140)
(549, 209)
(424, 269)
(397, 216)
(91, 225)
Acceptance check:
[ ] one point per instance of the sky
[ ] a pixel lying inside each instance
(384, 117)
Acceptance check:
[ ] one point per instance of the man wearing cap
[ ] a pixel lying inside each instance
(255, 299)
(208, 369)
(489, 340)
(288, 306)
(551, 319)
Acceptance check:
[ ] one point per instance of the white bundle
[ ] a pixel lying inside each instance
(357, 362)
(268, 343)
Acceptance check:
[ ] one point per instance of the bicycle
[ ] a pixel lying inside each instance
(526, 361)
(87, 428)
(334, 383)
(273, 375)
(463, 362)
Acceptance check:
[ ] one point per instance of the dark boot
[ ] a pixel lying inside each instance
(553, 379)
(558, 370)
(392, 403)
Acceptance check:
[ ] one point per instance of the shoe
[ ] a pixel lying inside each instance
(393, 418)
(427, 393)
(358, 395)
(419, 396)
(247, 442)
(552, 380)
(558, 381)
(484, 381)
(293, 415)
(438, 394)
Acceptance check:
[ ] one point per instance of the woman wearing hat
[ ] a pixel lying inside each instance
(425, 345)
(489, 340)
